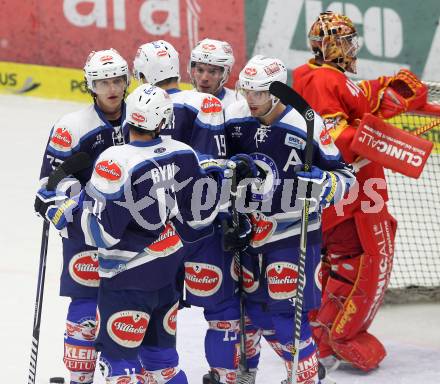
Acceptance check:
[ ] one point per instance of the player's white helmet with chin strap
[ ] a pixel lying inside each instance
(256, 77)
(156, 61)
(214, 52)
(105, 64)
(260, 72)
(148, 106)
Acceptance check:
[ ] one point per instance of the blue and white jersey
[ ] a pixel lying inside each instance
(144, 198)
(276, 150)
(86, 130)
(198, 122)
(229, 96)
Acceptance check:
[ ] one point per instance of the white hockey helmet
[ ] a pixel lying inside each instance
(105, 64)
(148, 106)
(156, 61)
(214, 52)
(260, 72)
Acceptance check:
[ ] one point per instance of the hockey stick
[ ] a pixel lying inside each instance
(237, 260)
(289, 97)
(72, 165)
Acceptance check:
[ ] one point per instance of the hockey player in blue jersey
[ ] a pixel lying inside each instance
(274, 135)
(209, 68)
(92, 129)
(198, 117)
(198, 122)
(142, 200)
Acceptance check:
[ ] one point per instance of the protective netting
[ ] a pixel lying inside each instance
(416, 206)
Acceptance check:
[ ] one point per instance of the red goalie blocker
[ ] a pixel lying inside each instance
(390, 146)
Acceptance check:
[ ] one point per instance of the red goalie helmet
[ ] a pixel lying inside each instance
(333, 38)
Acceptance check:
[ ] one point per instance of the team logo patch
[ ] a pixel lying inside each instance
(271, 69)
(85, 330)
(127, 328)
(318, 276)
(170, 320)
(282, 280)
(227, 49)
(168, 373)
(208, 47)
(262, 229)
(129, 379)
(106, 58)
(202, 279)
(83, 268)
(324, 137)
(294, 141)
(167, 243)
(250, 71)
(267, 179)
(160, 150)
(211, 105)
(61, 138)
(109, 170)
(137, 117)
(249, 283)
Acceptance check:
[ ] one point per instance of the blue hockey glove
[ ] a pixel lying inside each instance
(213, 167)
(244, 165)
(58, 209)
(324, 184)
(237, 239)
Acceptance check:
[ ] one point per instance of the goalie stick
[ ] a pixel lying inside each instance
(72, 165)
(289, 97)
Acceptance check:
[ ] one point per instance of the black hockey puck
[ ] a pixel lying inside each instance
(59, 380)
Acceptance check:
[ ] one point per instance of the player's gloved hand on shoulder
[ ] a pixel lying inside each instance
(237, 239)
(244, 166)
(58, 209)
(324, 184)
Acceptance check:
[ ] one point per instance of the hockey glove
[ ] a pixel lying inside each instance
(244, 166)
(324, 185)
(213, 167)
(237, 239)
(58, 209)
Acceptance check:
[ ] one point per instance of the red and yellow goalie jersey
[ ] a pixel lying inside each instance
(341, 102)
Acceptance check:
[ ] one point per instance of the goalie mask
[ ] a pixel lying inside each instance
(149, 108)
(106, 64)
(333, 38)
(256, 77)
(156, 61)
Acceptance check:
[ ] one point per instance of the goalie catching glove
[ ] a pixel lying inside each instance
(391, 96)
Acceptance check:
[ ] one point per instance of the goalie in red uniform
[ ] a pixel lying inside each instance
(358, 233)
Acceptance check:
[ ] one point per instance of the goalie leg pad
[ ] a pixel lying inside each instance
(79, 351)
(355, 290)
(364, 351)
